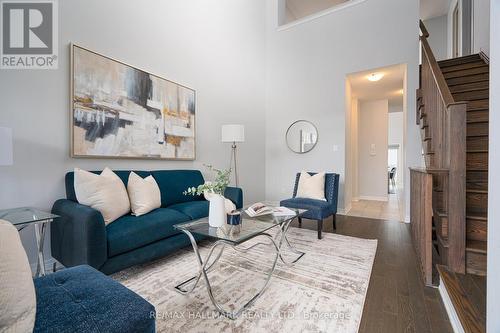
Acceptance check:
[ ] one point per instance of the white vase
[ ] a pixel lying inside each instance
(217, 211)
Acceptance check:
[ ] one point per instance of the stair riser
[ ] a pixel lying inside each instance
(427, 145)
(476, 263)
(477, 203)
(468, 79)
(469, 86)
(477, 161)
(478, 116)
(441, 225)
(477, 143)
(477, 180)
(477, 230)
(426, 132)
(481, 104)
(439, 201)
(477, 129)
(459, 67)
(458, 61)
(471, 95)
(473, 71)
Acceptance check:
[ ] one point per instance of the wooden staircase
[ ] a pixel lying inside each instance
(449, 197)
(468, 80)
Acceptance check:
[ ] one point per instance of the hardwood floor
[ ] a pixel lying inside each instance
(397, 300)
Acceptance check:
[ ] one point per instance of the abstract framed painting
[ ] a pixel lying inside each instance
(120, 111)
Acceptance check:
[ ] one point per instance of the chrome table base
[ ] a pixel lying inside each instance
(207, 265)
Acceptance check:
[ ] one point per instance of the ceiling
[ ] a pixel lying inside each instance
(302, 8)
(433, 8)
(389, 87)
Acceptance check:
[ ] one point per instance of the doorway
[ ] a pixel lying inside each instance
(375, 128)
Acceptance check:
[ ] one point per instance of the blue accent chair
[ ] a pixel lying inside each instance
(317, 209)
(80, 237)
(81, 299)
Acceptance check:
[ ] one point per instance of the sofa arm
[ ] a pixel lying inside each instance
(79, 235)
(235, 194)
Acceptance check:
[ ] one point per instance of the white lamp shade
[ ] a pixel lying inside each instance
(6, 146)
(233, 133)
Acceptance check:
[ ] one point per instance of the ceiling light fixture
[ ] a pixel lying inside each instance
(375, 77)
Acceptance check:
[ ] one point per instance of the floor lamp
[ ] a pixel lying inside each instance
(233, 134)
(6, 146)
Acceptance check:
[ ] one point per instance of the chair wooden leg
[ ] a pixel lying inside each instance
(334, 222)
(300, 222)
(320, 228)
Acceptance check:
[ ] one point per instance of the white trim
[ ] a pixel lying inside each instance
(373, 198)
(407, 219)
(342, 211)
(452, 314)
(347, 208)
(317, 15)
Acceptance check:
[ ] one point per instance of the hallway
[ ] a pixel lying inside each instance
(384, 210)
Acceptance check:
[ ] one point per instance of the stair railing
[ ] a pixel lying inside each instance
(445, 148)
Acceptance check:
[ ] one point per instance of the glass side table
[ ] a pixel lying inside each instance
(26, 216)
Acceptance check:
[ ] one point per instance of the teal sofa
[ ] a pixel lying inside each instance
(80, 236)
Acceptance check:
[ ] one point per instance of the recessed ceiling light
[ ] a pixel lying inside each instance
(375, 76)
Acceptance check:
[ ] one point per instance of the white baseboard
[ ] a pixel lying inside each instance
(374, 198)
(452, 314)
(346, 209)
(407, 219)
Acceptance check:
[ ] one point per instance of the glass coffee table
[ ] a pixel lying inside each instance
(251, 227)
(23, 217)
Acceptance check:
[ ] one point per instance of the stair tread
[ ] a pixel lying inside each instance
(459, 60)
(476, 217)
(477, 191)
(477, 246)
(466, 300)
(477, 150)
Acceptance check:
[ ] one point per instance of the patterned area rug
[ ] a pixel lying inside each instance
(323, 292)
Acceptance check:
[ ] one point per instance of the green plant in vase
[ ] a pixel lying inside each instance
(214, 193)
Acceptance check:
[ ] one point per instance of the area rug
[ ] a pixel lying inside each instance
(323, 292)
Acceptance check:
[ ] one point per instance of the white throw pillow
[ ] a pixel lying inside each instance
(105, 193)
(144, 194)
(17, 291)
(311, 187)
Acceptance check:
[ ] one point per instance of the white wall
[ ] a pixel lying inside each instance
(438, 36)
(481, 26)
(306, 68)
(493, 290)
(215, 47)
(396, 136)
(349, 176)
(372, 149)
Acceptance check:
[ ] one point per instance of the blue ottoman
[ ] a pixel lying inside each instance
(81, 299)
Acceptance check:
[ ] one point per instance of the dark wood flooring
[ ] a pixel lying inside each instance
(397, 300)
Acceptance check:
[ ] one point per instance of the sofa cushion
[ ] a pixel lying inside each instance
(17, 293)
(194, 209)
(316, 209)
(131, 232)
(105, 193)
(81, 299)
(173, 183)
(69, 180)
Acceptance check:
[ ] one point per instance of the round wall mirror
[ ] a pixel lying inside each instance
(301, 136)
